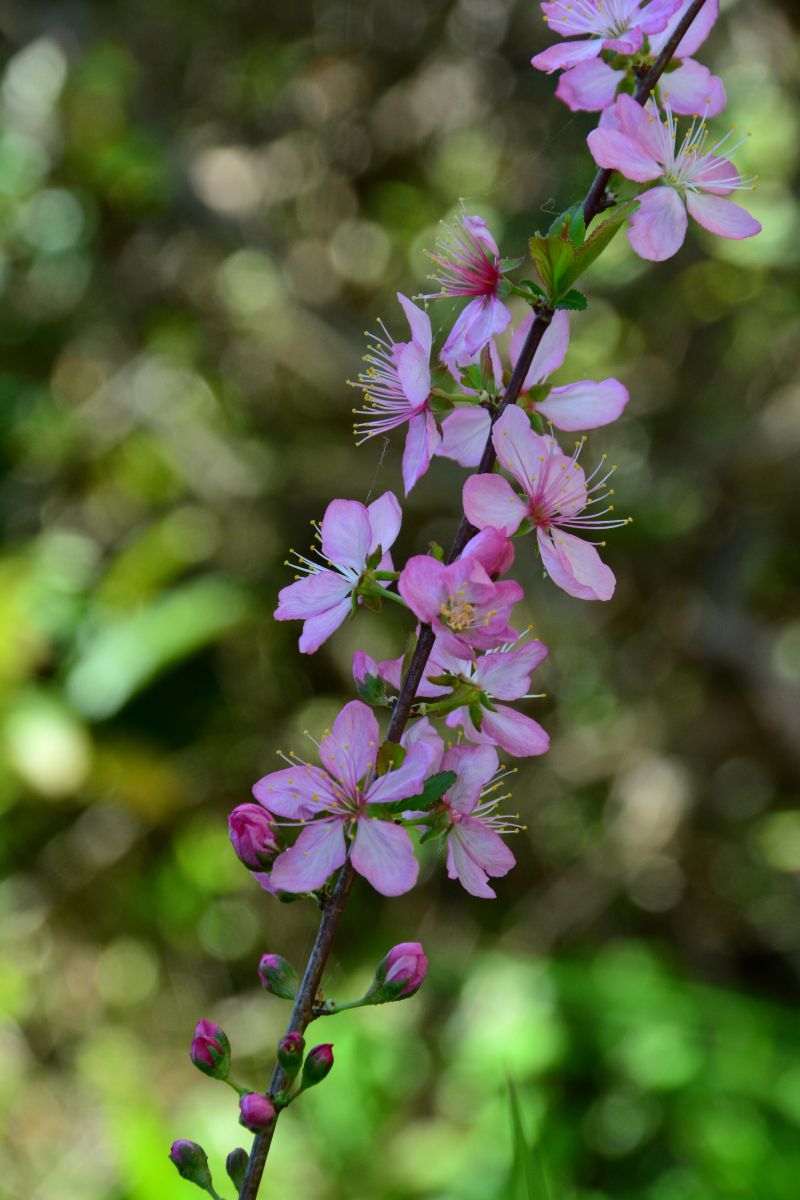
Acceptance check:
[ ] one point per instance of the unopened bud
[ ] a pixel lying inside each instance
(255, 1112)
(319, 1061)
(211, 1050)
(290, 1053)
(253, 836)
(191, 1161)
(278, 976)
(236, 1166)
(400, 974)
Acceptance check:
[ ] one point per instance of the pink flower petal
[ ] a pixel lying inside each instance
(318, 629)
(658, 227)
(643, 125)
(298, 792)
(481, 233)
(575, 566)
(515, 733)
(493, 551)
(552, 348)
(656, 15)
(363, 665)
(350, 749)
(696, 34)
(422, 731)
(419, 323)
(318, 852)
(584, 405)
(722, 216)
(518, 448)
(715, 175)
(421, 585)
(507, 675)
(406, 780)
(422, 441)
(474, 767)
(491, 500)
(383, 854)
(464, 435)
(627, 43)
(619, 152)
(385, 516)
(590, 86)
(475, 852)
(414, 373)
(312, 595)
(566, 54)
(693, 89)
(346, 534)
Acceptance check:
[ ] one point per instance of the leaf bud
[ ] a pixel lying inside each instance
(252, 836)
(191, 1162)
(290, 1053)
(211, 1051)
(255, 1112)
(278, 976)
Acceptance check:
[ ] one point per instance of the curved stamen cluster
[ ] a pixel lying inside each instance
(467, 259)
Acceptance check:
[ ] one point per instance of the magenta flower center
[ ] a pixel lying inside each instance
(466, 267)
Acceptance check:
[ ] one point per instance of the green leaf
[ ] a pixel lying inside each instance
(532, 287)
(554, 257)
(372, 691)
(510, 264)
(432, 792)
(599, 237)
(529, 1180)
(570, 224)
(390, 756)
(574, 300)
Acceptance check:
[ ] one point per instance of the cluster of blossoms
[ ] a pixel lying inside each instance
(365, 800)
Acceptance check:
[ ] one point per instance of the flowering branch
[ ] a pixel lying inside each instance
(355, 811)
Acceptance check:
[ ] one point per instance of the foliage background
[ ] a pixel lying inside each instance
(202, 207)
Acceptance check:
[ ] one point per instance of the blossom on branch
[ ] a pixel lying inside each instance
(460, 601)
(616, 25)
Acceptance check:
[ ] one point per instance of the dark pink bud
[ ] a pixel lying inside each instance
(255, 1112)
(191, 1161)
(319, 1061)
(400, 974)
(290, 1053)
(278, 976)
(211, 1050)
(252, 836)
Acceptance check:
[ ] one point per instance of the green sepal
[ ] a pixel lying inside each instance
(390, 755)
(440, 406)
(476, 714)
(436, 551)
(574, 301)
(509, 264)
(374, 558)
(372, 691)
(373, 603)
(432, 792)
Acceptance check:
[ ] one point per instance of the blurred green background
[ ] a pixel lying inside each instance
(202, 207)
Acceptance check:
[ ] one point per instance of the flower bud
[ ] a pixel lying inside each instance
(400, 974)
(191, 1161)
(211, 1050)
(255, 1112)
(236, 1166)
(252, 836)
(278, 976)
(319, 1061)
(290, 1053)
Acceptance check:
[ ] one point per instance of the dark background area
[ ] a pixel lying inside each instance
(202, 208)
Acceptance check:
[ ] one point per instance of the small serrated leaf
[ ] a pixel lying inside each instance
(372, 690)
(435, 787)
(573, 301)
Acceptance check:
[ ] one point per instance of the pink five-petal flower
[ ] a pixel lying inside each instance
(396, 386)
(350, 532)
(618, 25)
(460, 601)
(475, 850)
(331, 803)
(503, 674)
(468, 262)
(693, 176)
(555, 496)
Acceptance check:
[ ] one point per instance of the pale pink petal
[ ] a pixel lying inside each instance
(346, 534)
(383, 854)
(722, 216)
(507, 675)
(474, 767)
(618, 152)
(312, 595)
(464, 435)
(414, 373)
(363, 665)
(656, 16)
(491, 500)
(457, 349)
(475, 852)
(463, 868)
(575, 566)
(318, 629)
(481, 233)
(521, 451)
(644, 126)
(421, 585)
(715, 175)
(695, 35)
(551, 352)
(627, 43)
(493, 550)
(422, 441)
(419, 323)
(407, 779)
(584, 405)
(590, 86)
(317, 853)
(513, 732)
(692, 89)
(351, 747)
(658, 227)
(385, 516)
(566, 54)
(422, 731)
(297, 792)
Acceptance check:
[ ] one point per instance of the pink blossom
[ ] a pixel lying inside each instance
(586, 404)
(333, 803)
(556, 494)
(349, 534)
(469, 265)
(617, 25)
(252, 836)
(460, 601)
(399, 974)
(694, 176)
(475, 850)
(396, 386)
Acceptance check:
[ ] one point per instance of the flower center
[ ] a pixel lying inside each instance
(458, 614)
